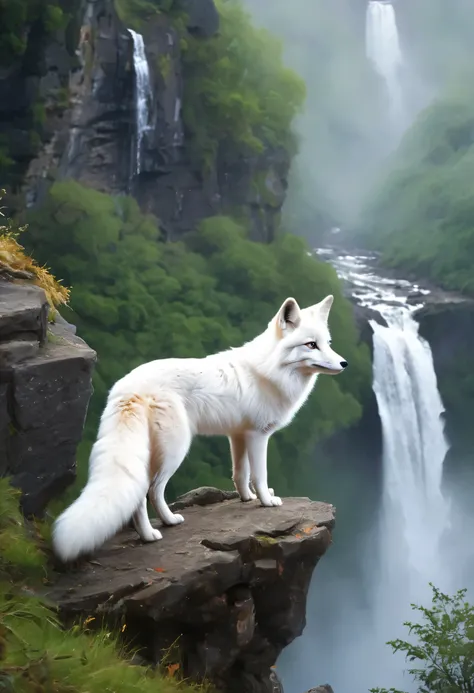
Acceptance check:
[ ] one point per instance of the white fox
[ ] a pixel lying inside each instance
(152, 414)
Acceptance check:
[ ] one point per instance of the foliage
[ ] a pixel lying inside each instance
(422, 216)
(36, 654)
(16, 264)
(134, 13)
(236, 88)
(18, 553)
(444, 646)
(16, 16)
(136, 298)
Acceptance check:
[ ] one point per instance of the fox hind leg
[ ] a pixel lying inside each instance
(241, 468)
(143, 526)
(171, 439)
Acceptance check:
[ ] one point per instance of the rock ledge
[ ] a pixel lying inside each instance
(45, 386)
(228, 587)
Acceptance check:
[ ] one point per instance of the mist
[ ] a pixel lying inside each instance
(369, 79)
(347, 131)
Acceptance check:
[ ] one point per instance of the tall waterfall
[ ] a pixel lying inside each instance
(383, 49)
(414, 511)
(364, 601)
(143, 94)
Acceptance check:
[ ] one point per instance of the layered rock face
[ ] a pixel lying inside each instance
(448, 326)
(226, 591)
(84, 83)
(45, 386)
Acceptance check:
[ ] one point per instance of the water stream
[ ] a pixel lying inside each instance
(383, 50)
(405, 550)
(143, 95)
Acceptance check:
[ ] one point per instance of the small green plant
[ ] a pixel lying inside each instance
(164, 66)
(444, 646)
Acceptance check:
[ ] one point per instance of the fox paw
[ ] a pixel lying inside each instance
(174, 519)
(272, 501)
(154, 535)
(247, 495)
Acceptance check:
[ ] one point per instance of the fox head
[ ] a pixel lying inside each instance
(304, 337)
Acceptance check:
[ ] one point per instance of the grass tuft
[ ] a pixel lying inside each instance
(15, 264)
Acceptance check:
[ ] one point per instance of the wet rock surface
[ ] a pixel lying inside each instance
(226, 590)
(45, 386)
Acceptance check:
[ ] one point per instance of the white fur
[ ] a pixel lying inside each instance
(153, 413)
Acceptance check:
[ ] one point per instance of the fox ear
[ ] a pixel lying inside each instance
(289, 315)
(324, 306)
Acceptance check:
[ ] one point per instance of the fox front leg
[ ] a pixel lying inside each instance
(241, 468)
(257, 445)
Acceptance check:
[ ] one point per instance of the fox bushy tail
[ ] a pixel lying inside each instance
(118, 481)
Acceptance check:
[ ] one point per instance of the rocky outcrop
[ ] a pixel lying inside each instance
(33, 100)
(99, 148)
(322, 689)
(86, 85)
(226, 591)
(45, 386)
(448, 326)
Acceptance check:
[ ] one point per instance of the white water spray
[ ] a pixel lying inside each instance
(143, 94)
(383, 49)
(406, 547)
(414, 512)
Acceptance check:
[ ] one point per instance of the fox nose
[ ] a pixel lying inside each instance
(343, 364)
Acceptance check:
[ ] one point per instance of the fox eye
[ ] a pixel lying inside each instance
(312, 345)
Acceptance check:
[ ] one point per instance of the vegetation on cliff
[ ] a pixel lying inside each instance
(422, 215)
(443, 646)
(36, 654)
(18, 16)
(135, 298)
(237, 90)
(16, 264)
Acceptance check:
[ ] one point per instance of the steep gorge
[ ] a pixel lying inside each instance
(68, 111)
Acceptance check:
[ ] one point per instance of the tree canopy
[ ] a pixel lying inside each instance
(135, 298)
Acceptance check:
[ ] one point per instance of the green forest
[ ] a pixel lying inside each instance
(135, 298)
(422, 215)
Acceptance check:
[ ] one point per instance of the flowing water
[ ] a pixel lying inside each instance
(143, 94)
(383, 50)
(405, 552)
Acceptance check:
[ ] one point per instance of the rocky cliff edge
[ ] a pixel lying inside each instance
(45, 386)
(219, 597)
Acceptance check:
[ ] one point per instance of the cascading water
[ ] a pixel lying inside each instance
(414, 514)
(383, 49)
(143, 94)
(411, 410)
(404, 549)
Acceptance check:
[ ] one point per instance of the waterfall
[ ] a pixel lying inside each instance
(143, 94)
(363, 590)
(383, 49)
(414, 512)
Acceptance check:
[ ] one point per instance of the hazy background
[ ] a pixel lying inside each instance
(345, 131)
(349, 150)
